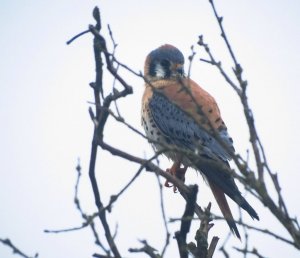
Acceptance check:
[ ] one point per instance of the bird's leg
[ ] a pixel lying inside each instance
(177, 171)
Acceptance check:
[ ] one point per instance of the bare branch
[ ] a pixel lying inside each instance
(145, 249)
(223, 35)
(253, 251)
(99, 45)
(212, 247)
(222, 248)
(16, 250)
(251, 182)
(213, 61)
(77, 36)
(186, 222)
(201, 249)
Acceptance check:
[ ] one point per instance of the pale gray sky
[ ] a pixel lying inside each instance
(46, 127)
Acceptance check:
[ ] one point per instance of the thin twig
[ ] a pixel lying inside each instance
(213, 61)
(115, 197)
(222, 248)
(251, 182)
(191, 58)
(163, 212)
(253, 251)
(16, 250)
(220, 19)
(152, 252)
(264, 231)
(88, 219)
(77, 36)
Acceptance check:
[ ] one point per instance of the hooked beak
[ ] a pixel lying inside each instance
(178, 69)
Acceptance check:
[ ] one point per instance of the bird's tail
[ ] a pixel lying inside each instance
(224, 207)
(221, 178)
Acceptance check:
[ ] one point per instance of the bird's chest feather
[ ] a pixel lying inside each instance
(153, 133)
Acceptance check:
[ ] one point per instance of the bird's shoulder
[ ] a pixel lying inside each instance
(189, 97)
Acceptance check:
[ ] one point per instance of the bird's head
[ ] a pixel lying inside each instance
(165, 62)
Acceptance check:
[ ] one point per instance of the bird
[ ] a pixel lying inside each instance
(183, 121)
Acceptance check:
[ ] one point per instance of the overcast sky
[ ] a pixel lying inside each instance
(45, 126)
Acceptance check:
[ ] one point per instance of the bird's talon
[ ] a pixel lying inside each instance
(178, 172)
(167, 184)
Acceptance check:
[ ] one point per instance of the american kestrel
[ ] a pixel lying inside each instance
(177, 114)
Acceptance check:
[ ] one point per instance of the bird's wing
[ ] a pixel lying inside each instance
(188, 116)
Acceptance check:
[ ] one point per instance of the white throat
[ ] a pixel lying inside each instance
(159, 71)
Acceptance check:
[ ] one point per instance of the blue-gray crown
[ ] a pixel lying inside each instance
(167, 52)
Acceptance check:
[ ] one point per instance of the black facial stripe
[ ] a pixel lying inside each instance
(165, 64)
(152, 70)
